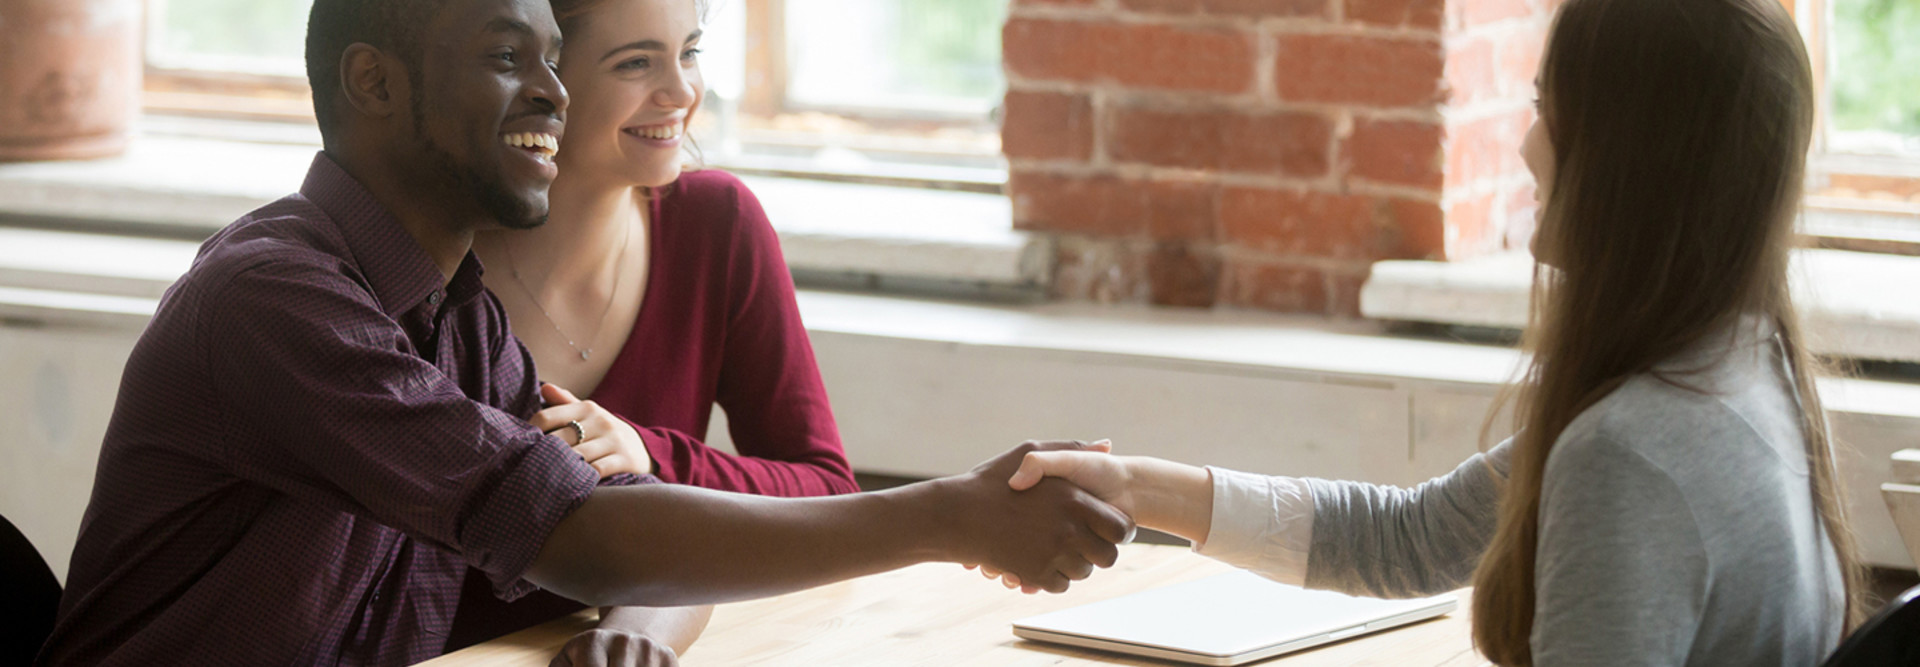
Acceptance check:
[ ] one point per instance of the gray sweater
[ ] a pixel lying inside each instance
(1677, 525)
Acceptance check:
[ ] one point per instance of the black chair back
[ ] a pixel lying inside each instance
(1891, 637)
(31, 600)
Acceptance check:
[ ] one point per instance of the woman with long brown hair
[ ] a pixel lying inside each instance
(1670, 497)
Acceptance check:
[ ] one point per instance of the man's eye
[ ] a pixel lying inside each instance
(506, 56)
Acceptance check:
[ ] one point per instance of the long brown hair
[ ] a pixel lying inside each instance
(1680, 131)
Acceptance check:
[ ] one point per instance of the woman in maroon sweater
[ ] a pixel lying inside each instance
(657, 294)
(654, 295)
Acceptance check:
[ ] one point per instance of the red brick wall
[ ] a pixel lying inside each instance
(1263, 153)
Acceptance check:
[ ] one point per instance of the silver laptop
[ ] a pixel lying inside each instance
(1227, 619)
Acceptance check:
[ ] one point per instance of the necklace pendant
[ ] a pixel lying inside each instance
(585, 353)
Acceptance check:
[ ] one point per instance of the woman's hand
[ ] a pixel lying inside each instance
(1163, 495)
(1097, 472)
(611, 445)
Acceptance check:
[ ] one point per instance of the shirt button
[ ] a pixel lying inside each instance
(433, 299)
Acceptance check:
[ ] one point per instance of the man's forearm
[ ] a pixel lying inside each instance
(669, 545)
(676, 627)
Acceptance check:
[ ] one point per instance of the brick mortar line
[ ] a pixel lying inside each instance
(1223, 249)
(1266, 52)
(1229, 251)
(1199, 101)
(1370, 188)
(1330, 184)
(1097, 101)
(1287, 25)
(1334, 22)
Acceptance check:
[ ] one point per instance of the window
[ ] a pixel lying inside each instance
(229, 58)
(869, 90)
(1872, 80)
(1865, 181)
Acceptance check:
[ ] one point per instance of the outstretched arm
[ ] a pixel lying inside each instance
(1366, 539)
(670, 545)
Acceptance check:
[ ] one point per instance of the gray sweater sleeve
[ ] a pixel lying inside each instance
(1385, 541)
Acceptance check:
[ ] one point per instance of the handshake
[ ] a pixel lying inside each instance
(1047, 513)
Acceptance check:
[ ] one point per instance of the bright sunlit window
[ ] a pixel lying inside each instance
(935, 58)
(1875, 77)
(266, 37)
(864, 89)
(1867, 161)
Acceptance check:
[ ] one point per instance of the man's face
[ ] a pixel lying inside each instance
(488, 108)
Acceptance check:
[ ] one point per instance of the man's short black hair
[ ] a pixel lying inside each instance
(393, 26)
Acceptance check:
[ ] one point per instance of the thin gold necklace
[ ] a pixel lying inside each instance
(619, 274)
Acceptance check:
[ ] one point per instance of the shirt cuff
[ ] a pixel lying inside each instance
(519, 511)
(1260, 523)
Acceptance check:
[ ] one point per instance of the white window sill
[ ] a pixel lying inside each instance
(1858, 305)
(189, 187)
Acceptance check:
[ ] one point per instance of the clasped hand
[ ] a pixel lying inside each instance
(1090, 468)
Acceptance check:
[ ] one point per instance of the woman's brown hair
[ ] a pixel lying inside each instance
(1680, 131)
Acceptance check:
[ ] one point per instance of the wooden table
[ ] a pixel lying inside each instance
(940, 614)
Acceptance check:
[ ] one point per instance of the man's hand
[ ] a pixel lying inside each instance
(601, 647)
(611, 445)
(1048, 535)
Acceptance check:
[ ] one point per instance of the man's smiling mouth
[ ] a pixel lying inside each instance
(541, 144)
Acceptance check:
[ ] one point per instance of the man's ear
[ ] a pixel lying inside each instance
(374, 82)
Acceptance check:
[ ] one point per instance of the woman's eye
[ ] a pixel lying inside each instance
(690, 54)
(636, 63)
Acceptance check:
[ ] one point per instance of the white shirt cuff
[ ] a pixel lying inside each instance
(1260, 523)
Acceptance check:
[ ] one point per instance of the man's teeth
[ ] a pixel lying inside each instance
(541, 142)
(660, 131)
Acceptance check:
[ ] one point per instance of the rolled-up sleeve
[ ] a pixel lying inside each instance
(334, 407)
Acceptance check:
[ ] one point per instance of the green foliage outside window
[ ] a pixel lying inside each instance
(1875, 72)
(951, 47)
(271, 29)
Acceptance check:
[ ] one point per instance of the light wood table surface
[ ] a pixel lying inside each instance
(940, 614)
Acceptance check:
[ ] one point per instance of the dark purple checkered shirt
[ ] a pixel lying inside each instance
(312, 443)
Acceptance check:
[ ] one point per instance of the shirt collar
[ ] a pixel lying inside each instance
(396, 267)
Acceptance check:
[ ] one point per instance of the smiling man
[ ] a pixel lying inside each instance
(323, 426)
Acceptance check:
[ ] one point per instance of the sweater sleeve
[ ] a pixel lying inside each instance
(769, 384)
(1385, 541)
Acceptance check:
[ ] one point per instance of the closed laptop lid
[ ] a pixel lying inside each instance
(1226, 615)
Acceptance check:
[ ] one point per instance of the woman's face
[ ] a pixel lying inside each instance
(634, 77)
(1537, 150)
